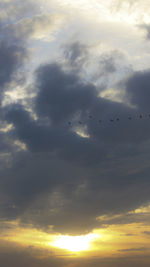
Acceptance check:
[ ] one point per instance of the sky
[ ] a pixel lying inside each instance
(75, 133)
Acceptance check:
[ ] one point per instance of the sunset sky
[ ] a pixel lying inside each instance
(75, 133)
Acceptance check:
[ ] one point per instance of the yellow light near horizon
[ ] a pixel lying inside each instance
(110, 241)
(74, 243)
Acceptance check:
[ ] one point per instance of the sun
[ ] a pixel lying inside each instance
(74, 243)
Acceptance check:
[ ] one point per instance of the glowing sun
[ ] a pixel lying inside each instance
(74, 243)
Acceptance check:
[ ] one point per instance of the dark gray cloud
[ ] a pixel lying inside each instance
(13, 51)
(138, 90)
(11, 57)
(146, 28)
(83, 177)
(61, 95)
(14, 255)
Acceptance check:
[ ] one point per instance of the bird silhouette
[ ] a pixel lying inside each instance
(111, 120)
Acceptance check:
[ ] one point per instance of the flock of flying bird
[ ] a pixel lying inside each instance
(111, 120)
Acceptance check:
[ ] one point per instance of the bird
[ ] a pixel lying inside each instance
(140, 116)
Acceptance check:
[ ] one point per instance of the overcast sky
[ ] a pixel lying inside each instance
(75, 132)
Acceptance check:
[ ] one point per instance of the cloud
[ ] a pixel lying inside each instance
(29, 21)
(146, 232)
(61, 94)
(9, 14)
(146, 28)
(11, 254)
(11, 57)
(39, 26)
(14, 255)
(132, 261)
(76, 55)
(133, 249)
(138, 90)
(13, 50)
